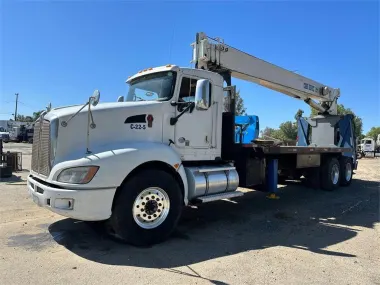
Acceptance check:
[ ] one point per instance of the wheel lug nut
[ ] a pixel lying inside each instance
(154, 215)
(147, 198)
(143, 203)
(158, 199)
(149, 217)
(142, 210)
(158, 210)
(159, 204)
(137, 206)
(144, 215)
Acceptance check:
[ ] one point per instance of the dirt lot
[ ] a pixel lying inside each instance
(306, 237)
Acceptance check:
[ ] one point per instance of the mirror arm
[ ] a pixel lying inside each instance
(174, 120)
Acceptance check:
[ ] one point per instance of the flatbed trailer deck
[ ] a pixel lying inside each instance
(297, 149)
(263, 164)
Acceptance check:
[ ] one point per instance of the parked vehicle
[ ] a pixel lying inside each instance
(4, 135)
(22, 133)
(369, 146)
(135, 163)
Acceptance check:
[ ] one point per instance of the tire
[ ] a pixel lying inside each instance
(330, 174)
(346, 171)
(134, 221)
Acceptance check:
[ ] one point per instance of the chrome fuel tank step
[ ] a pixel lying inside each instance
(209, 180)
(220, 196)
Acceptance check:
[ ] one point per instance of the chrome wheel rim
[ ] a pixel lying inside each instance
(348, 171)
(151, 207)
(335, 174)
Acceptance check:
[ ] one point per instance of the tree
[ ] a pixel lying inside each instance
(373, 132)
(358, 123)
(239, 104)
(298, 114)
(36, 115)
(268, 132)
(22, 118)
(288, 130)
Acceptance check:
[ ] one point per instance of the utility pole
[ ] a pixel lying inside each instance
(16, 106)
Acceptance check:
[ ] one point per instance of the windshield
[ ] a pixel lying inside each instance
(152, 87)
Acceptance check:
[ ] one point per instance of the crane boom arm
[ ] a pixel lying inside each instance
(212, 54)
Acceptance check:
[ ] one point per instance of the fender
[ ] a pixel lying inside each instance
(116, 163)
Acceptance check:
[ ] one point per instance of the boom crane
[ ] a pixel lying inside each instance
(214, 55)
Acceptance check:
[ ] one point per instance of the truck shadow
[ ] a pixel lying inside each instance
(13, 179)
(302, 218)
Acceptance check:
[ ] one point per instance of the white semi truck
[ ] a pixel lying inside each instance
(135, 163)
(369, 146)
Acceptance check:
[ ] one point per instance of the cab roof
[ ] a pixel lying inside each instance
(168, 67)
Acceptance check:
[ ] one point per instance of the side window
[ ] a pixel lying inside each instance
(187, 91)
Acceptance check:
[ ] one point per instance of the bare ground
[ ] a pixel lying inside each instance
(306, 237)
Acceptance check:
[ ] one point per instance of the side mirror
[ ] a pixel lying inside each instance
(202, 98)
(120, 99)
(94, 99)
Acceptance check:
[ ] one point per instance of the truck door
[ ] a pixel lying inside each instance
(194, 128)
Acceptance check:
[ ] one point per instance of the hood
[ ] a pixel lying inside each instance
(67, 111)
(115, 124)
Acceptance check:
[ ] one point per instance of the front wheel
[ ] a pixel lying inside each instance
(148, 208)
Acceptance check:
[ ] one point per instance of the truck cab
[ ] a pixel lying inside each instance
(175, 141)
(171, 118)
(175, 90)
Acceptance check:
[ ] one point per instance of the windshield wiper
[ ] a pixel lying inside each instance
(137, 97)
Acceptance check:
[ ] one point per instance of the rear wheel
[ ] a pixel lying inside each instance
(346, 170)
(330, 174)
(148, 208)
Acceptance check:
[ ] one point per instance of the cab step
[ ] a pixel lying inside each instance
(219, 196)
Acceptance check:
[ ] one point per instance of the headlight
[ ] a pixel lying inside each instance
(53, 139)
(78, 175)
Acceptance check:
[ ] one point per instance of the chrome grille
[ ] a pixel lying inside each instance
(41, 148)
(36, 143)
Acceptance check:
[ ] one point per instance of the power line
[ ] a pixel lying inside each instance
(20, 102)
(27, 105)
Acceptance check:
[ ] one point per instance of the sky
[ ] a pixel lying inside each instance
(61, 51)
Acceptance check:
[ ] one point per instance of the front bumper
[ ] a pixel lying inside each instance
(85, 205)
